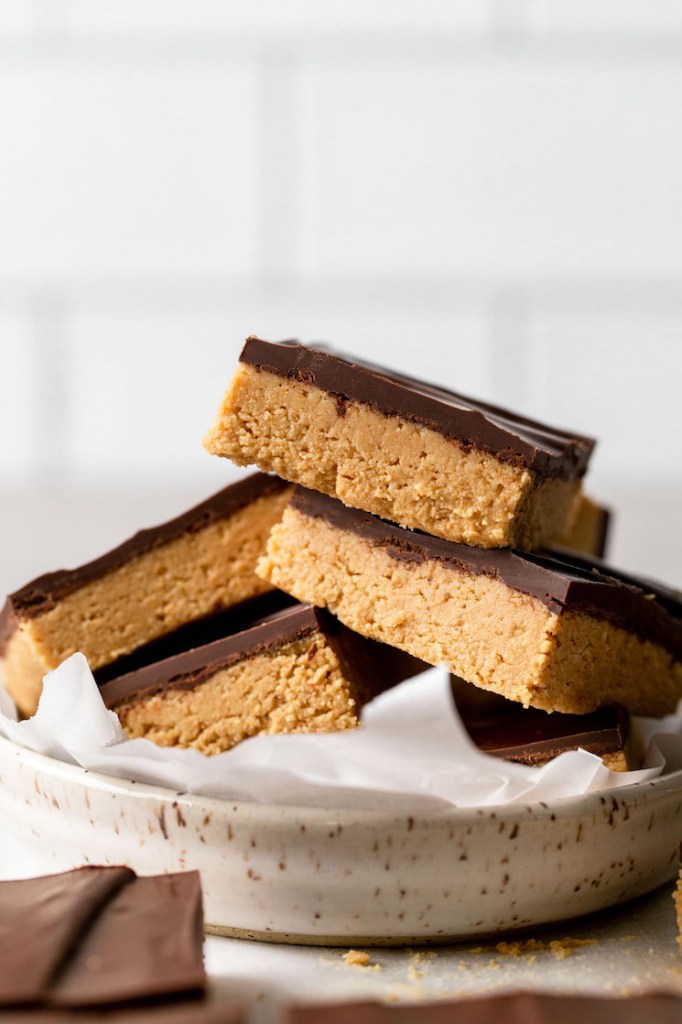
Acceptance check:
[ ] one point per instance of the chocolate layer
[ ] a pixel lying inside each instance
(189, 669)
(186, 1011)
(514, 1008)
(562, 582)
(146, 943)
(41, 594)
(85, 945)
(477, 425)
(41, 922)
(506, 730)
(196, 634)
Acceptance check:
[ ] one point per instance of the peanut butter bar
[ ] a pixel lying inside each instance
(297, 670)
(561, 634)
(416, 454)
(589, 532)
(151, 585)
(504, 729)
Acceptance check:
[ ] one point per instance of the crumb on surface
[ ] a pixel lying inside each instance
(419, 961)
(519, 947)
(562, 948)
(358, 958)
(422, 955)
(559, 948)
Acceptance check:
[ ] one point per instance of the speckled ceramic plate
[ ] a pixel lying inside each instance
(306, 875)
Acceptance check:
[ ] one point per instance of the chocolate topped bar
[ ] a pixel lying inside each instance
(414, 453)
(189, 668)
(296, 670)
(119, 606)
(504, 729)
(565, 633)
(508, 436)
(41, 594)
(561, 580)
(590, 530)
(197, 633)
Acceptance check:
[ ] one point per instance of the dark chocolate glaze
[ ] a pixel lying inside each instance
(373, 666)
(146, 943)
(192, 667)
(510, 1008)
(535, 742)
(195, 634)
(197, 1010)
(563, 581)
(544, 450)
(507, 730)
(40, 594)
(100, 937)
(41, 923)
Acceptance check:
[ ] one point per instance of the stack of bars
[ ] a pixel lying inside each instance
(401, 526)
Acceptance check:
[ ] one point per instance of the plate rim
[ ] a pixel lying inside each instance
(563, 807)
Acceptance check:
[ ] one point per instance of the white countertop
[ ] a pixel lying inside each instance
(624, 951)
(631, 949)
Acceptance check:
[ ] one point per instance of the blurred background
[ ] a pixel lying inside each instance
(485, 193)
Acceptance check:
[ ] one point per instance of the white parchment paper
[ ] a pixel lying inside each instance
(410, 750)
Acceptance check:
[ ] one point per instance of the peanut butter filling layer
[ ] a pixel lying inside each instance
(297, 670)
(388, 465)
(480, 627)
(589, 532)
(301, 688)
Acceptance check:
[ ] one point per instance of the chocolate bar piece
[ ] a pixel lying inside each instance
(562, 633)
(514, 1008)
(589, 532)
(41, 920)
(205, 1010)
(145, 944)
(297, 670)
(153, 584)
(506, 730)
(414, 453)
(100, 936)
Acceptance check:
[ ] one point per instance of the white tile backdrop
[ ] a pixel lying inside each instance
(485, 192)
(109, 169)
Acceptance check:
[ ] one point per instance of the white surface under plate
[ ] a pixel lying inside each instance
(345, 877)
